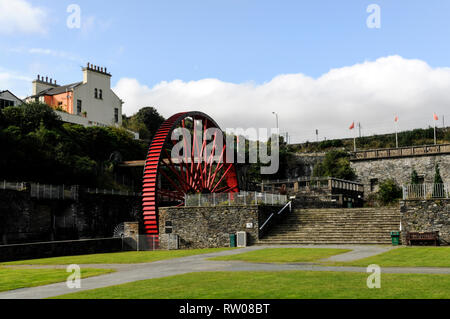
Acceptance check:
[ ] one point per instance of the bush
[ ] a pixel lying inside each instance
(389, 192)
(414, 177)
(335, 164)
(330, 144)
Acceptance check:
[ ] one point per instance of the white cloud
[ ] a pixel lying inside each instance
(55, 53)
(371, 92)
(13, 81)
(19, 16)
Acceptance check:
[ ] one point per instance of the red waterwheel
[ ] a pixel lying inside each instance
(167, 180)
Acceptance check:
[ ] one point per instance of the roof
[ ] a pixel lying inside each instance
(57, 90)
(1, 92)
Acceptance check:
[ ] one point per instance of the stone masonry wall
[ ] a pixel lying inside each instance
(426, 216)
(24, 219)
(400, 169)
(209, 227)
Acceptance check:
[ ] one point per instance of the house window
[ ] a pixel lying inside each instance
(96, 93)
(5, 103)
(101, 95)
(116, 115)
(79, 105)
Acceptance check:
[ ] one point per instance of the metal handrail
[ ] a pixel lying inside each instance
(271, 215)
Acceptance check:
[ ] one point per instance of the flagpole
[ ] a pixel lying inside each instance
(396, 131)
(396, 136)
(354, 140)
(435, 140)
(435, 117)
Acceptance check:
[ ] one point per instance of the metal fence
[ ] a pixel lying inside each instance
(42, 191)
(109, 192)
(234, 199)
(13, 186)
(148, 242)
(63, 192)
(426, 191)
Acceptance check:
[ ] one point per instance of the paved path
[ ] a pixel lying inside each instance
(133, 272)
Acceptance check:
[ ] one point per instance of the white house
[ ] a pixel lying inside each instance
(90, 102)
(8, 99)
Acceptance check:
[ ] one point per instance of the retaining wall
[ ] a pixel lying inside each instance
(426, 216)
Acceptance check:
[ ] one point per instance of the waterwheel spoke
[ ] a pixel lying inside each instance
(171, 181)
(223, 176)
(219, 166)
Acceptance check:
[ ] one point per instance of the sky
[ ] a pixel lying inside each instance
(317, 64)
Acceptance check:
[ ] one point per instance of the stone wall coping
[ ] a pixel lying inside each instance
(425, 200)
(224, 206)
(60, 242)
(427, 150)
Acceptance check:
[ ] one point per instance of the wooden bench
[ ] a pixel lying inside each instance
(423, 238)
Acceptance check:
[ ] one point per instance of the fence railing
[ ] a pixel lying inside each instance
(45, 191)
(426, 191)
(109, 192)
(234, 199)
(302, 183)
(12, 186)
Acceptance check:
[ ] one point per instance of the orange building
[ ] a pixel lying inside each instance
(90, 102)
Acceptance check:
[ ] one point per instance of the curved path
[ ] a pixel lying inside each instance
(134, 272)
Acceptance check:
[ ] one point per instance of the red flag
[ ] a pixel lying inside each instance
(352, 126)
(396, 118)
(436, 118)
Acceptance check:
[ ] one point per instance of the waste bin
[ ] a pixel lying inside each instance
(395, 236)
(232, 240)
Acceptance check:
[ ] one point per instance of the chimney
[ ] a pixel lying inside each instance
(42, 83)
(97, 72)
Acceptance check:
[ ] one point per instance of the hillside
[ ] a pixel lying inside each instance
(405, 138)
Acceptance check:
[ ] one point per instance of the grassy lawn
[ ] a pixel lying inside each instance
(284, 255)
(11, 279)
(276, 285)
(407, 257)
(132, 257)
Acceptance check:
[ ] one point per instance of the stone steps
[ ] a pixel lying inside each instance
(335, 226)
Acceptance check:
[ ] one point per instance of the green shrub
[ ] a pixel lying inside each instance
(335, 164)
(414, 177)
(389, 192)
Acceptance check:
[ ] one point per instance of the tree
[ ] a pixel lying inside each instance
(29, 116)
(414, 177)
(389, 192)
(438, 185)
(335, 164)
(146, 122)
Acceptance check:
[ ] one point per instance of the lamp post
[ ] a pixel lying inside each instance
(276, 115)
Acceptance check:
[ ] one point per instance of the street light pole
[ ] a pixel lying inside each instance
(276, 115)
